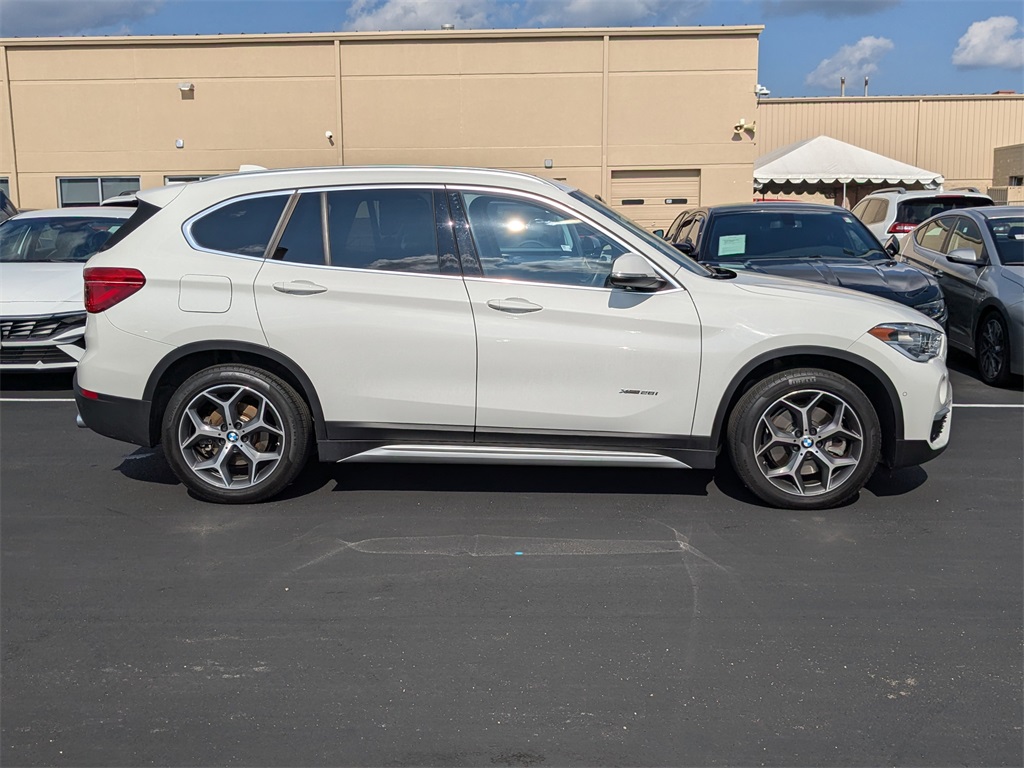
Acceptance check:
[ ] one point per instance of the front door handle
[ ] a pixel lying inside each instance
(514, 306)
(300, 288)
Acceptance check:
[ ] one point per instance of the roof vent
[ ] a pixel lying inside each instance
(447, 27)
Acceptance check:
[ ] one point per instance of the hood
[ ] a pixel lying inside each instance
(887, 279)
(39, 288)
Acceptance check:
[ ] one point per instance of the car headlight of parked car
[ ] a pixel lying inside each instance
(936, 310)
(918, 342)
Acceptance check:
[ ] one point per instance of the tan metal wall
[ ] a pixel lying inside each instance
(590, 101)
(952, 135)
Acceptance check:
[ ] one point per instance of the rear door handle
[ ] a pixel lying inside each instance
(300, 288)
(514, 306)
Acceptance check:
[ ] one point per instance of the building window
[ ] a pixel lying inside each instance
(93, 190)
(186, 179)
(1016, 181)
(5, 185)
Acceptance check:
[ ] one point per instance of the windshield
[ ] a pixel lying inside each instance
(1008, 234)
(652, 240)
(741, 236)
(59, 239)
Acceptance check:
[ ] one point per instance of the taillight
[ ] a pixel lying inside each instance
(107, 286)
(900, 228)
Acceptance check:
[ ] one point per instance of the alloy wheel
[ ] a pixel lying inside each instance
(990, 351)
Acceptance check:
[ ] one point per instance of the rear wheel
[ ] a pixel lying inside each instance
(235, 434)
(804, 439)
(992, 348)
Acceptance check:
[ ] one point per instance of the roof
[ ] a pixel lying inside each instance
(776, 205)
(224, 186)
(828, 160)
(89, 211)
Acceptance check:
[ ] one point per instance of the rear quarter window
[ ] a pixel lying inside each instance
(243, 227)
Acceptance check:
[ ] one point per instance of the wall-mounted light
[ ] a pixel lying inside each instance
(186, 86)
(549, 163)
(179, 143)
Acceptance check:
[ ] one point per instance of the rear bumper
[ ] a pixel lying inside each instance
(118, 417)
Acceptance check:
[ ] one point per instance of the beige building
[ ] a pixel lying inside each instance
(955, 136)
(1008, 175)
(643, 117)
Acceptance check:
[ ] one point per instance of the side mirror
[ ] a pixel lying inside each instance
(892, 246)
(632, 271)
(659, 233)
(965, 256)
(686, 248)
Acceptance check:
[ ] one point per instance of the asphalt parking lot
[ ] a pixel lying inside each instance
(449, 616)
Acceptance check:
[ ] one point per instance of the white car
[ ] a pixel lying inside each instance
(467, 315)
(896, 211)
(42, 254)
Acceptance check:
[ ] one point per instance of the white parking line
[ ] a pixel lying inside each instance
(988, 405)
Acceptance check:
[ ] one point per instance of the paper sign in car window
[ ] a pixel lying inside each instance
(732, 245)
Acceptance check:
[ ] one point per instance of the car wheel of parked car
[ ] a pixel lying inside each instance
(804, 439)
(235, 434)
(992, 350)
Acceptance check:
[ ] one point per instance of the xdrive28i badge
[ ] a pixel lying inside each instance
(651, 392)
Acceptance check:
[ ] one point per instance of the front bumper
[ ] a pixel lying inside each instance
(910, 453)
(120, 418)
(42, 342)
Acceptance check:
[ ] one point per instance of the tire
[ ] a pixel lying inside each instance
(234, 434)
(804, 439)
(992, 350)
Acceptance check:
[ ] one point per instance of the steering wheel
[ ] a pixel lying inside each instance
(531, 244)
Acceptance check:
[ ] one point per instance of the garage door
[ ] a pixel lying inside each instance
(654, 198)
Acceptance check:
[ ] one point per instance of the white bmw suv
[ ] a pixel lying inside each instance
(252, 321)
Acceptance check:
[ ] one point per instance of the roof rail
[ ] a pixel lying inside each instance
(900, 190)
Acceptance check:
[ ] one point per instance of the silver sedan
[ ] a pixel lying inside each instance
(978, 256)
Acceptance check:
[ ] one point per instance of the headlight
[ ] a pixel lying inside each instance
(918, 342)
(936, 310)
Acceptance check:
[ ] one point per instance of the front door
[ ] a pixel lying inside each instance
(563, 359)
(960, 283)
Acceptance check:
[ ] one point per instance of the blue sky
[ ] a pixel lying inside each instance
(904, 46)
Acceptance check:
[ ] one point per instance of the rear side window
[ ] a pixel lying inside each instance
(142, 214)
(920, 209)
(243, 226)
(303, 238)
(384, 229)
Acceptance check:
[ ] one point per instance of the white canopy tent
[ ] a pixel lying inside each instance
(824, 160)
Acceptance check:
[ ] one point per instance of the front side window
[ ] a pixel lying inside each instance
(243, 227)
(76, 192)
(934, 235)
(966, 234)
(58, 239)
(385, 229)
(741, 236)
(520, 239)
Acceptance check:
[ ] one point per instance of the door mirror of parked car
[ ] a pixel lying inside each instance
(966, 256)
(659, 233)
(892, 246)
(630, 270)
(685, 247)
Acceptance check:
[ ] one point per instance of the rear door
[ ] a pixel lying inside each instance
(365, 294)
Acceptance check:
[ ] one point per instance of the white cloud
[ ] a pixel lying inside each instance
(851, 61)
(611, 13)
(829, 8)
(365, 15)
(41, 18)
(990, 43)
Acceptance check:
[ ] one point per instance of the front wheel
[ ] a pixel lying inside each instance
(993, 350)
(804, 439)
(235, 434)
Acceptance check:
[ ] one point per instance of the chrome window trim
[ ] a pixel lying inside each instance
(186, 227)
(668, 277)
